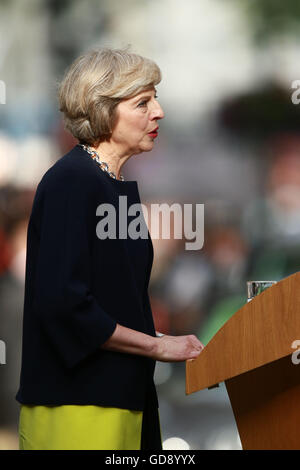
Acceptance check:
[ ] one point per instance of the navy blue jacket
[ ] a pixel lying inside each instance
(77, 288)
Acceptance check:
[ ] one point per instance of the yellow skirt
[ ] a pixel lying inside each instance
(74, 427)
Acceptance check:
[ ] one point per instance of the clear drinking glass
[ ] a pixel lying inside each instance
(256, 287)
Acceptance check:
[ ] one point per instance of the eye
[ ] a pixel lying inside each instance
(142, 103)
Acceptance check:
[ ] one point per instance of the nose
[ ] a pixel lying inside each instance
(157, 112)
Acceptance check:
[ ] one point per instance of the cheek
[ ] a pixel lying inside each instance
(131, 126)
(136, 128)
(142, 123)
(123, 130)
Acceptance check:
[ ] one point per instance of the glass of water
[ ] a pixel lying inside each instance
(256, 287)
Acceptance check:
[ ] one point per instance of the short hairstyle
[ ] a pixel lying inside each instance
(95, 84)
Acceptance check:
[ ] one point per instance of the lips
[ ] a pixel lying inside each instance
(153, 133)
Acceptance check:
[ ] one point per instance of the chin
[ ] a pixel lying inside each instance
(147, 147)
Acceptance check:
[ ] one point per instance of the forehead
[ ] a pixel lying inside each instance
(147, 91)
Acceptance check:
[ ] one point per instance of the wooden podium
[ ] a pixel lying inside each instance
(252, 353)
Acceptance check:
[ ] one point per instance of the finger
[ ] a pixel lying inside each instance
(200, 345)
(197, 343)
(196, 352)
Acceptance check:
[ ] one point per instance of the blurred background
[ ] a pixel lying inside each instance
(230, 140)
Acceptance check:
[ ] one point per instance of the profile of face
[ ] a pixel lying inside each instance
(136, 122)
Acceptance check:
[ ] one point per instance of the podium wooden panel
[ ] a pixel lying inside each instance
(251, 353)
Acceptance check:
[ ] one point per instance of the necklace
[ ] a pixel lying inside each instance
(102, 165)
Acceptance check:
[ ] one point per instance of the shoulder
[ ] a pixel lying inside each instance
(69, 186)
(74, 171)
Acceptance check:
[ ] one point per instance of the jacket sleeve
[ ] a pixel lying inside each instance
(70, 316)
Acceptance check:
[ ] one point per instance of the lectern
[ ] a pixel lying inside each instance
(253, 354)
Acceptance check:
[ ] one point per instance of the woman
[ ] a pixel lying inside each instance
(89, 343)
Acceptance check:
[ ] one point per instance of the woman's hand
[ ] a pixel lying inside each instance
(164, 348)
(176, 348)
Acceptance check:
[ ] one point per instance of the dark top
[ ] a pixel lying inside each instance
(77, 288)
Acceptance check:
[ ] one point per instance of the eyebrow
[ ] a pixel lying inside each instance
(144, 96)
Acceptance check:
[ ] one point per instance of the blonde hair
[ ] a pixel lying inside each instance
(95, 84)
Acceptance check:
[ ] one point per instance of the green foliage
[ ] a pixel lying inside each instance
(260, 113)
(271, 18)
(220, 314)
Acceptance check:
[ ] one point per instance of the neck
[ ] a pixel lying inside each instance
(113, 157)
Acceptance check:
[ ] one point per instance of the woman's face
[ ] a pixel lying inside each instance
(136, 118)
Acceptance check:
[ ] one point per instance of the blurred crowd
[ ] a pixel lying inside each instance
(191, 292)
(230, 141)
(198, 291)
